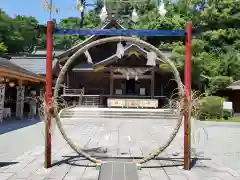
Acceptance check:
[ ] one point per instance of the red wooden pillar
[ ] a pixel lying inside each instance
(187, 88)
(48, 143)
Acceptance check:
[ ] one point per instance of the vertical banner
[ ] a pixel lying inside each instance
(2, 99)
(187, 89)
(20, 102)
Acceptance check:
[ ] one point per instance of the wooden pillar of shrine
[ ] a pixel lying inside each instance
(20, 100)
(2, 99)
(111, 81)
(68, 79)
(152, 83)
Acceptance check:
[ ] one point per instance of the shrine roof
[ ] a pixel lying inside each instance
(8, 67)
(34, 64)
(128, 50)
(235, 85)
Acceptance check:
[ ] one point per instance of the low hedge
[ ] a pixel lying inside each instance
(211, 107)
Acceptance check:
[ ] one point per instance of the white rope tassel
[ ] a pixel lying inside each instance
(120, 50)
(103, 15)
(88, 56)
(151, 59)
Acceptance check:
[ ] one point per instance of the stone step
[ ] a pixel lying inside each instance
(119, 118)
(78, 113)
(117, 115)
(139, 110)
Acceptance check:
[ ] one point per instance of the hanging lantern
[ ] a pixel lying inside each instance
(7, 80)
(2, 79)
(81, 9)
(11, 84)
(161, 10)
(103, 15)
(127, 77)
(33, 92)
(134, 15)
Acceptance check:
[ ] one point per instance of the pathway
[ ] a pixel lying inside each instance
(23, 150)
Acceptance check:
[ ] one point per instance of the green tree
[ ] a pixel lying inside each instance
(215, 52)
(91, 20)
(18, 33)
(3, 48)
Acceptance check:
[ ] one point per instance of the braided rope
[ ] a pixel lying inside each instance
(148, 47)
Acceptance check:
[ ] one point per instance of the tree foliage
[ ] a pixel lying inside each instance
(215, 51)
(18, 33)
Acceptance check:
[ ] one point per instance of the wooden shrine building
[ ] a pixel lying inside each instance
(13, 80)
(116, 82)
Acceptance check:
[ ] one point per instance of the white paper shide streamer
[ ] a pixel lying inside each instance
(151, 58)
(79, 6)
(120, 50)
(162, 11)
(88, 56)
(134, 15)
(103, 15)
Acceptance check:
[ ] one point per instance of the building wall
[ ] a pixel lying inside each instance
(99, 83)
(235, 98)
(93, 82)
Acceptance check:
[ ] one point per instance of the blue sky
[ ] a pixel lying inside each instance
(35, 8)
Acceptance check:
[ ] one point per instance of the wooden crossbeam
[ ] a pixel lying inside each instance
(139, 77)
(122, 32)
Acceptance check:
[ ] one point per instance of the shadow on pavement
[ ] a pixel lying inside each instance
(14, 124)
(3, 164)
(83, 162)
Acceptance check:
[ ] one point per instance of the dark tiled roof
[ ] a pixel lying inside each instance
(5, 63)
(235, 85)
(35, 64)
(44, 52)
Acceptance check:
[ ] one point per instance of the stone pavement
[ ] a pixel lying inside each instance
(121, 137)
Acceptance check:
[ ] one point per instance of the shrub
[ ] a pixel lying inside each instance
(210, 107)
(227, 114)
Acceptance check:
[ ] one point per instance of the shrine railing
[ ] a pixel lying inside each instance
(70, 91)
